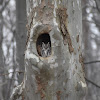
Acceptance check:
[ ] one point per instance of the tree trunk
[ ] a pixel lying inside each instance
(54, 64)
(20, 34)
(1, 58)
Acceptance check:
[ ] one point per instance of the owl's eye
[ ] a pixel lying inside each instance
(43, 44)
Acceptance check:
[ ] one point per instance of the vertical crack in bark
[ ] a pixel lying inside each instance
(58, 93)
(81, 60)
(40, 87)
(62, 19)
(77, 38)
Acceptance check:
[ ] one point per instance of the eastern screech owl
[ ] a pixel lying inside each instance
(45, 49)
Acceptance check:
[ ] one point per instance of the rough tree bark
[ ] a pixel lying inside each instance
(60, 75)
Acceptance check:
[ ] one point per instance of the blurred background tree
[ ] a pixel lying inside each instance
(91, 40)
(13, 39)
(12, 45)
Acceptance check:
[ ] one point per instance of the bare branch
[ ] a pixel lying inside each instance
(92, 83)
(12, 72)
(91, 62)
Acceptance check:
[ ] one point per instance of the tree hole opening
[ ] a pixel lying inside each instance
(43, 45)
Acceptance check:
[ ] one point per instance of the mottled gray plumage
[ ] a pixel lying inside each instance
(45, 49)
